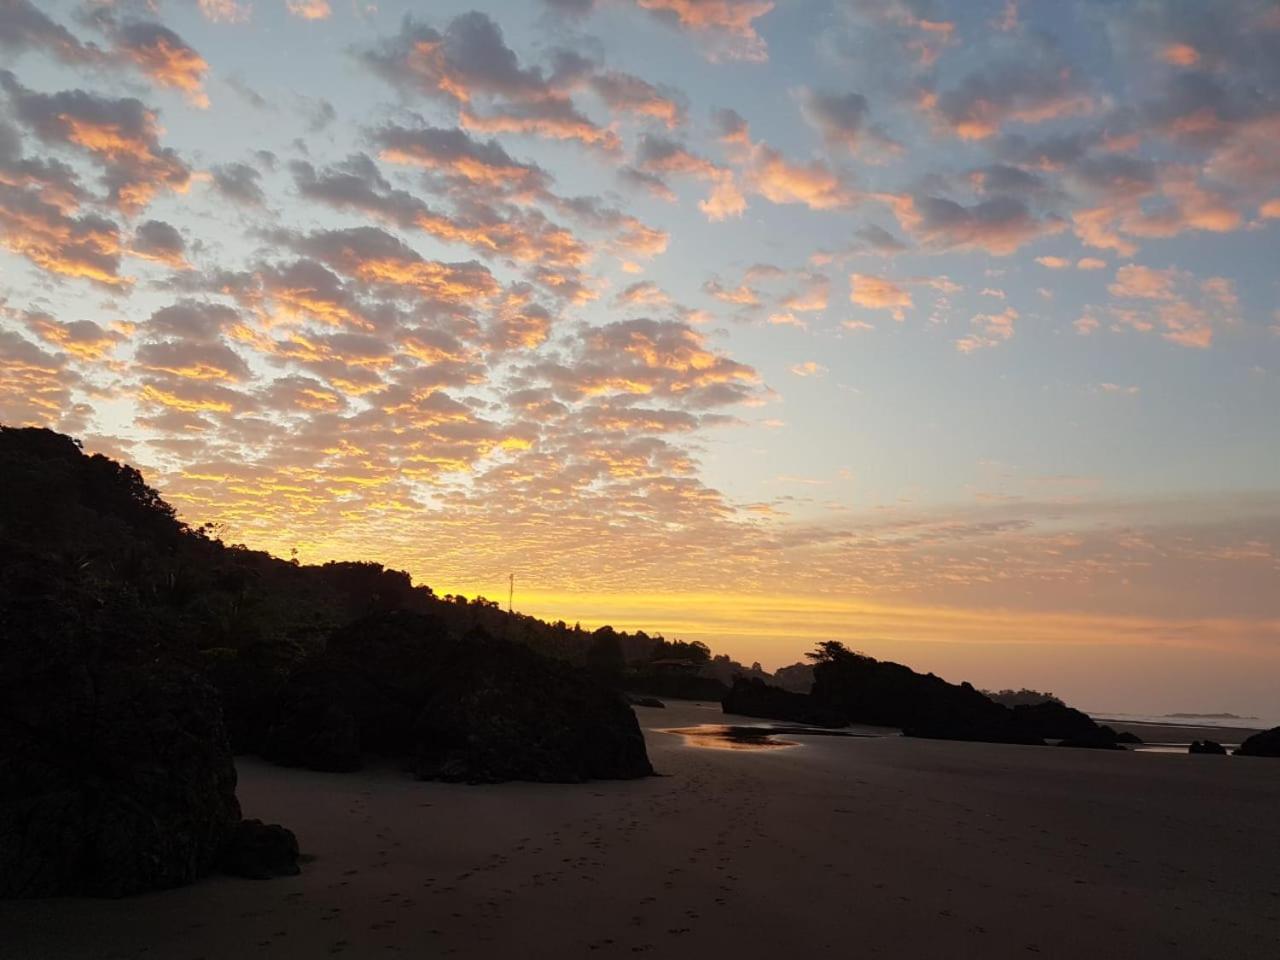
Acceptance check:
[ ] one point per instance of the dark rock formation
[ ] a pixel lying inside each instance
(1210, 747)
(798, 678)
(478, 709)
(1264, 744)
(752, 697)
(260, 851)
(115, 773)
(646, 702)
(1099, 738)
(673, 685)
(1053, 720)
(866, 690)
(1132, 739)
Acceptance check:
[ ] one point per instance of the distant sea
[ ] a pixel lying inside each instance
(1190, 719)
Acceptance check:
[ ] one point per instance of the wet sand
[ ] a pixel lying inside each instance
(870, 847)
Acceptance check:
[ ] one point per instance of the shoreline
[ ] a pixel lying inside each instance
(910, 848)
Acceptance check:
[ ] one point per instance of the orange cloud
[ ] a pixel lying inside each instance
(1186, 312)
(878, 293)
(730, 24)
(1054, 263)
(166, 58)
(1180, 55)
(992, 329)
(809, 368)
(309, 9)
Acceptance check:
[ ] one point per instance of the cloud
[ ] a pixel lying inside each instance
(653, 358)
(728, 25)
(81, 340)
(309, 9)
(193, 320)
(453, 153)
(741, 295)
(240, 183)
(625, 93)
(35, 386)
(164, 57)
(877, 239)
(1032, 89)
(224, 11)
(470, 66)
(190, 360)
(122, 136)
(812, 294)
(87, 246)
(808, 368)
(24, 27)
(522, 234)
(842, 121)
(656, 156)
(879, 293)
(643, 293)
(1184, 311)
(1133, 280)
(383, 262)
(1053, 263)
(160, 242)
(991, 329)
(998, 225)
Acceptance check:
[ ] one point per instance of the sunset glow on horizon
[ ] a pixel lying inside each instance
(950, 330)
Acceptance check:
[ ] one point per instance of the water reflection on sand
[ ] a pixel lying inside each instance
(724, 736)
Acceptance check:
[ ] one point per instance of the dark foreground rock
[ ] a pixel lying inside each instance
(752, 697)
(115, 773)
(1264, 744)
(1209, 747)
(477, 709)
(260, 851)
(1132, 739)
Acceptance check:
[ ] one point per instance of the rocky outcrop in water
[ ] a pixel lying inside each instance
(1264, 744)
(752, 697)
(1207, 747)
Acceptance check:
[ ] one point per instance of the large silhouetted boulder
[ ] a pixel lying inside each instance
(1264, 744)
(866, 690)
(115, 772)
(752, 697)
(1053, 720)
(477, 708)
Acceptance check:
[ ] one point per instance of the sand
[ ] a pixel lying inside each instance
(866, 847)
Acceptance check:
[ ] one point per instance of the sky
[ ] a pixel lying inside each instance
(949, 330)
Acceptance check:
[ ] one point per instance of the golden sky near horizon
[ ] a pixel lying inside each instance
(951, 330)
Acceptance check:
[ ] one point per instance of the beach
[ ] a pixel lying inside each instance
(875, 846)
